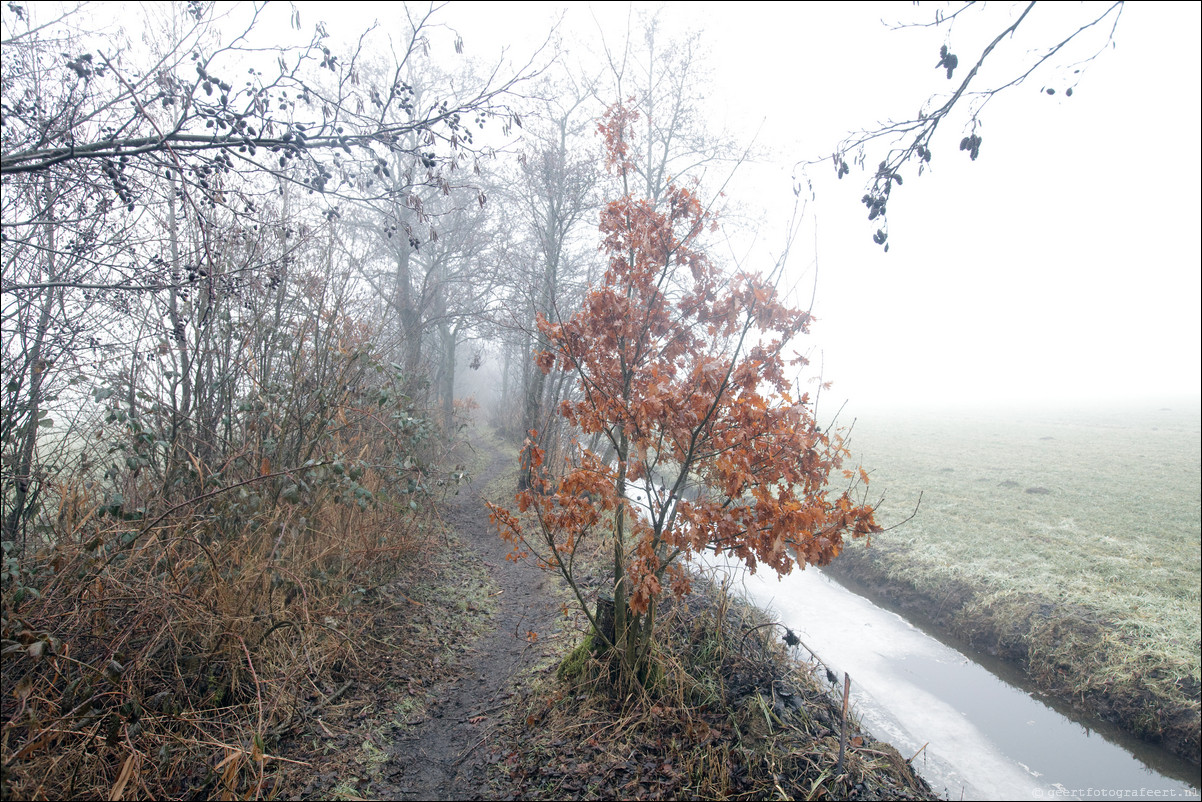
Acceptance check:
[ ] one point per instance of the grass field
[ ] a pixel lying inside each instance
(1067, 539)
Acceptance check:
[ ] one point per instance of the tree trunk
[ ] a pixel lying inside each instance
(25, 487)
(181, 402)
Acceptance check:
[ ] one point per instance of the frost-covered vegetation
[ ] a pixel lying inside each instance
(1066, 538)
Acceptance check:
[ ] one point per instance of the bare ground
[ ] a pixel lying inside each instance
(446, 755)
(426, 701)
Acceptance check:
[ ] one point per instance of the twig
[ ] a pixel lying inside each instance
(486, 711)
(843, 720)
(467, 752)
(205, 497)
(329, 700)
(908, 518)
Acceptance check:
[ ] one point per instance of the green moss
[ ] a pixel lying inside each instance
(572, 667)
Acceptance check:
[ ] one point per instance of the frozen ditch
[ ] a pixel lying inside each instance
(986, 739)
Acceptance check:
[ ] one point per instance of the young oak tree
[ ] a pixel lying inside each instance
(681, 369)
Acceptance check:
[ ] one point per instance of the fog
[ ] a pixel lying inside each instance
(1059, 267)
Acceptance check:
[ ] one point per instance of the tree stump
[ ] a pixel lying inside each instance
(605, 622)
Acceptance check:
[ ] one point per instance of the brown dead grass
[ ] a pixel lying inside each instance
(166, 666)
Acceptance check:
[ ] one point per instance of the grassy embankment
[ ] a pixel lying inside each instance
(1066, 542)
(734, 715)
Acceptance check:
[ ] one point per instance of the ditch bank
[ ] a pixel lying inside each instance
(1059, 647)
(733, 715)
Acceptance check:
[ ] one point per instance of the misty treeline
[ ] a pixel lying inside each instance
(225, 230)
(219, 255)
(217, 249)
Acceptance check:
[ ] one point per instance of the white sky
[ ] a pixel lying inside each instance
(1063, 264)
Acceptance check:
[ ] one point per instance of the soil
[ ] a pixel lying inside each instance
(447, 754)
(366, 747)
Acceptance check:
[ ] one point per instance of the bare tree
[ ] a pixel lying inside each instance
(142, 180)
(555, 194)
(668, 80)
(315, 108)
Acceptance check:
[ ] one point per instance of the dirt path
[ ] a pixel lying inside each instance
(446, 755)
(435, 705)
